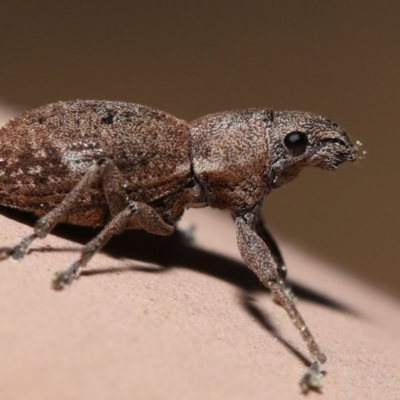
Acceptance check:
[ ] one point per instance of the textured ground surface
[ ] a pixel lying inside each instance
(198, 327)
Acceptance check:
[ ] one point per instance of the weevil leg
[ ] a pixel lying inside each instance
(125, 214)
(187, 233)
(313, 378)
(18, 251)
(259, 259)
(138, 214)
(273, 247)
(103, 170)
(45, 224)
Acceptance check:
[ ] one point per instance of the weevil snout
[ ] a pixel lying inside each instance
(349, 152)
(335, 148)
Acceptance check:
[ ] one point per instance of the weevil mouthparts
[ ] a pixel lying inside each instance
(359, 154)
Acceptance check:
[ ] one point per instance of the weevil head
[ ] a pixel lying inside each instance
(300, 139)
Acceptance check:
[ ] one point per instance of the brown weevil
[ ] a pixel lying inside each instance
(127, 166)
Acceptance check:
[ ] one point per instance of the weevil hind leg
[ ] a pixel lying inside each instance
(125, 214)
(45, 224)
(17, 252)
(136, 214)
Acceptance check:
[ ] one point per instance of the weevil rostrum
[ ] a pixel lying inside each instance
(127, 166)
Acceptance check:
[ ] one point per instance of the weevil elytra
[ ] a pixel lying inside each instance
(126, 166)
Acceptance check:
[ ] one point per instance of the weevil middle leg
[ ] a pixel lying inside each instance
(137, 213)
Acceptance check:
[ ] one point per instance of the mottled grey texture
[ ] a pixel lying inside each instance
(129, 166)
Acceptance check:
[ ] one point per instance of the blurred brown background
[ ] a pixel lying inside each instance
(340, 59)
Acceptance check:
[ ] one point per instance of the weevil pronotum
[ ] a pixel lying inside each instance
(127, 166)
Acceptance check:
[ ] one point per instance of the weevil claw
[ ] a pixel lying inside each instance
(5, 252)
(64, 278)
(61, 280)
(312, 379)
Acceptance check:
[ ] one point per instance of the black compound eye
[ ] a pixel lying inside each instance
(296, 141)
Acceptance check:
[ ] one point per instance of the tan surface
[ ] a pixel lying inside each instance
(196, 329)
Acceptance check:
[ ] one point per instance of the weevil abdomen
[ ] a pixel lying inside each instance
(45, 152)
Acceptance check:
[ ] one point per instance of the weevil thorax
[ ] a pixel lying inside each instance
(231, 157)
(301, 139)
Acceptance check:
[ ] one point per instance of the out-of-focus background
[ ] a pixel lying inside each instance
(340, 59)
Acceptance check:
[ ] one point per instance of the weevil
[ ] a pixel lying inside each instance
(127, 166)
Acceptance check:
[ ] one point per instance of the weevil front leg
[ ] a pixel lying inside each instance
(273, 247)
(259, 259)
(136, 213)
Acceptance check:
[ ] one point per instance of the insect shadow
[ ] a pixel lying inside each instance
(169, 252)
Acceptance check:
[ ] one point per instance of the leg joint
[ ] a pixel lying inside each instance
(133, 207)
(102, 162)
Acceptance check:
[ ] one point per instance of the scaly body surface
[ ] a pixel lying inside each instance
(126, 166)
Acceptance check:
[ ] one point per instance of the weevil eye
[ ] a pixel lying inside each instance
(296, 141)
